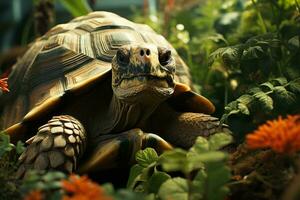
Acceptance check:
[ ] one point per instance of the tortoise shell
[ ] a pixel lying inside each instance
(70, 56)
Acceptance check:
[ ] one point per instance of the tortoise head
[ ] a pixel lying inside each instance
(143, 70)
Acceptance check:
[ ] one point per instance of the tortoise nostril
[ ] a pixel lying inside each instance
(142, 52)
(148, 52)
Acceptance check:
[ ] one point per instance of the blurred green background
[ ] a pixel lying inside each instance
(243, 54)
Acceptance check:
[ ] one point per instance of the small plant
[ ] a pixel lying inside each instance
(8, 164)
(203, 168)
(44, 184)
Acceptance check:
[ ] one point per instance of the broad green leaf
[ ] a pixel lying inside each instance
(201, 145)
(176, 188)
(76, 8)
(211, 156)
(198, 185)
(146, 157)
(193, 162)
(135, 171)
(123, 194)
(217, 176)
(174, 160)
(265, 100)
(156, 180)
(219, 140)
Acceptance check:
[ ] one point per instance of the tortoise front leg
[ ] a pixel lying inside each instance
(182, 128)
(117, 150)
(57, 145)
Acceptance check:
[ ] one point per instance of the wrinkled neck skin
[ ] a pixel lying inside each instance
(123, 115)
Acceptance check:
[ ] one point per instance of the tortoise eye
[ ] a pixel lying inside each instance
(164, 56)
(123, 56)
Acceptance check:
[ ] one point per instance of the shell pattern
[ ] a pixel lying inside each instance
(70, 54)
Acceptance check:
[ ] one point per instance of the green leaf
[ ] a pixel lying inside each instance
(217, 176)
(219, 140)
(265, 100)
(280, 81)
(53, 176)
(211, 156)
(156, 180)
(243, 109)
(294, 41)
(176, 188)
(294, 85)
(267, 86)
(135, 171)
(20, 147)
(198, 185)
(146, 157)
(216, 55)
(252, 52)
(128, 195)
(76, 8)
(5, 145)
(231, 56)
(254, 90)
(245, 99)
(284, 95)
(201, 145)
(174, 160)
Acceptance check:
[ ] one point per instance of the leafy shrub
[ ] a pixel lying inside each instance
(8, 163)
(202, 166)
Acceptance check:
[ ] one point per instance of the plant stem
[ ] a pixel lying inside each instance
(226, 93)
(260, 18)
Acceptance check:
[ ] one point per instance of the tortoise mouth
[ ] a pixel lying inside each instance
(137, 79)
(145, 84)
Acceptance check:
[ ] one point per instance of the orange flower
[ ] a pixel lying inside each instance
(281, 135)
(4, 85)
(81, 188)
(34, 195)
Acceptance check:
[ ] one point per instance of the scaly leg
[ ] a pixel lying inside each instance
(182, 129)
(57, 145)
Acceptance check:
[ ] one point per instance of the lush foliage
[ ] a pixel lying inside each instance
(199, 173)
(203, 169)
(244, 56)
(8, 164)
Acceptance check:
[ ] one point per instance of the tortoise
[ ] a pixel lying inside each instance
(90, 93)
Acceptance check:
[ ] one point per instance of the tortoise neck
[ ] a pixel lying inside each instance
(126, 115)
